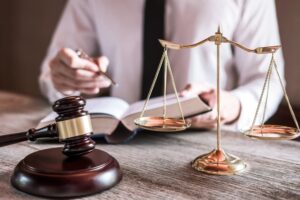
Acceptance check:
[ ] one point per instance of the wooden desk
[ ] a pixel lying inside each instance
(157, 166)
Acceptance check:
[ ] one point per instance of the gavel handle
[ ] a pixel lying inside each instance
(31, 134)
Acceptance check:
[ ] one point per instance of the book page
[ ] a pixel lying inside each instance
(107, 105)
(191, 105)
(101, 106)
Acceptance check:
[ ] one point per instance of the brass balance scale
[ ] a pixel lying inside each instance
(217, 161)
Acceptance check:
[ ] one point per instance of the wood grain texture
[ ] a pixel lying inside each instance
(157, 165)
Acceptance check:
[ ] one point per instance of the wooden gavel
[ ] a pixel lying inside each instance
(73, 127)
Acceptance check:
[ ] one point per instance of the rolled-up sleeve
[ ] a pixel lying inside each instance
(74, 30)
(257, 27)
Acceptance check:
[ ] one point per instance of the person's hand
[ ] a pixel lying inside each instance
(70, 73)
(229, 108)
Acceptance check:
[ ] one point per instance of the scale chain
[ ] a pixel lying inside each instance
(287, 98)
(261, 96)
(269, 74)
(174, 87)
(266, 86)
(153, 82)
(165, 86)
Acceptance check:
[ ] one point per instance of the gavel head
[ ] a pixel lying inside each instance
(74, 126)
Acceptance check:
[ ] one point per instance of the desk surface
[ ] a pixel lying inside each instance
(157, 166)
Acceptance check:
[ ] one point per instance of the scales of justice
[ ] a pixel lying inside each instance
(218, 161)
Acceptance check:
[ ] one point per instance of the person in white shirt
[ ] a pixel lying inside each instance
(112, 31)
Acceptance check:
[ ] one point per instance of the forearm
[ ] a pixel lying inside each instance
(64, 36)
(248, 96)
(47, 88)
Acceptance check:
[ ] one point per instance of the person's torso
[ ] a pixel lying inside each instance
(119, 27)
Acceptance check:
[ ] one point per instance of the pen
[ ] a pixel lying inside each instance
(83, 55)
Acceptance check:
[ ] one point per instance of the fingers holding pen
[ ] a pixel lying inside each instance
(71, 59)
(69, 72)
(62, 81)
(58, 67)
(103, 63)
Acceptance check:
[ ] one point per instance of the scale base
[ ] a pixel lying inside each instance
(49, 173)
(219, 163)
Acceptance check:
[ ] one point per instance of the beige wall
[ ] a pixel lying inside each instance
(289, 25)
(27, 26)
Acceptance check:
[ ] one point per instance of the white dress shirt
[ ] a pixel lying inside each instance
(114, 28)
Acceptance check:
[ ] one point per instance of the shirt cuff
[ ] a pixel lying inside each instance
(49, 91)
(248, 106)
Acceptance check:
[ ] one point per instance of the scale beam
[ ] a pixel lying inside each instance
(258, 50)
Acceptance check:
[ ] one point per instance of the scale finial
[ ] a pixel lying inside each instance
(219, 29)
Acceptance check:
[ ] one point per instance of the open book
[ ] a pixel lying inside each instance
(108, 112)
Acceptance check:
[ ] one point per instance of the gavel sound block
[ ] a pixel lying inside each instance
(77, 169)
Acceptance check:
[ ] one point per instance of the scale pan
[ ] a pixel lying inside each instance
(268, 49)
(161, 124)
(272, 132)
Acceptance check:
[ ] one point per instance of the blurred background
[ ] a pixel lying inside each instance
(27, 27)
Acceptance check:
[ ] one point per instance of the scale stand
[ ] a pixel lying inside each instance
(218, 161)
